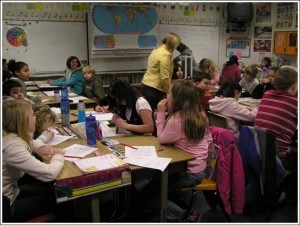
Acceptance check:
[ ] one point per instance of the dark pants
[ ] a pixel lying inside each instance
(152, 95)
(34, 199)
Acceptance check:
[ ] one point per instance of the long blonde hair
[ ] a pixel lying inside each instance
(186, 102)
(208, 66)
(15, 118)
(171, 40)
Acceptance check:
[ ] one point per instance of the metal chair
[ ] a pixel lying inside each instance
(217, 120)
(208, 186)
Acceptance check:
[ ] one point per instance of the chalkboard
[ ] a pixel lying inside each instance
(44, 46)
(202, 40)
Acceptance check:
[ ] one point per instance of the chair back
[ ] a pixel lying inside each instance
(217, 120)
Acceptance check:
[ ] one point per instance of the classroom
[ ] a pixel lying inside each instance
(114, 43)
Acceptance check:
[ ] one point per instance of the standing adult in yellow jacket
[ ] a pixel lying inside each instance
(157, 79)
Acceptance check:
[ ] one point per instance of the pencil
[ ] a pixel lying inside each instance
(70, 156)
(128, 145)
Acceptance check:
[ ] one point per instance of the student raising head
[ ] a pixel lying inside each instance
(12, 89)
(249, 81)
(226, 103)
(20, 71)
(92, 87)
(73, 78)
(31, 199)
(202, 82)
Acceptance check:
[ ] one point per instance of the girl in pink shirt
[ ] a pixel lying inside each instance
(186, 127)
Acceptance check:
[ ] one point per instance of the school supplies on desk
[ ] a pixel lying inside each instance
(99, 163)
(110, 172)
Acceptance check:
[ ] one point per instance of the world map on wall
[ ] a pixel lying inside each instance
(17, 37)
(124, 19)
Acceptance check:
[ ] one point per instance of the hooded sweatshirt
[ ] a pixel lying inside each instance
(93, 88)
(231, 72)
(234, 112)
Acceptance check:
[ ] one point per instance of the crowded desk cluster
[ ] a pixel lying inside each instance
(169, 114)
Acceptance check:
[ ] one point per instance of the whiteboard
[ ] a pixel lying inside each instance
(202, 40)
(49, 44)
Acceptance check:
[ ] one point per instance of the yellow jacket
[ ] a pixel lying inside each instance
(159, 70)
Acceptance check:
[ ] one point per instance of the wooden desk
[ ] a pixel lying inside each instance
(178, 164)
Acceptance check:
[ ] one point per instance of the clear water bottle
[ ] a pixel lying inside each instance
(56, 96)
(64, 92)
(91, 130)
(81, 111)
(65, 112)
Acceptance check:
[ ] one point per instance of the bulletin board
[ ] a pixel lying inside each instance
(239, 47)
(202, 40)
(44, 45)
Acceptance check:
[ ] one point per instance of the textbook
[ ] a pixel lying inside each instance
(211, 161)
(112, 173)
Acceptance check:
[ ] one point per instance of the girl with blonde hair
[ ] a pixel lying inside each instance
(208, 66)
(31, 199)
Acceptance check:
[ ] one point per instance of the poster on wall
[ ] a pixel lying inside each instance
(238, 47)
(263, 12)
(263, 32)
(285, 12)
(262, 46)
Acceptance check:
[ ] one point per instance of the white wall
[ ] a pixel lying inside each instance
(204, 14)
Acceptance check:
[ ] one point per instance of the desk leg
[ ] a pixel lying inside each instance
(95, 208)
(164, 196)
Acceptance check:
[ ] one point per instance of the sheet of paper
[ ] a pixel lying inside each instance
(100, 115)
(153, 163)
(141, 152)
(77, 150)
(57, 139)
(106, 130)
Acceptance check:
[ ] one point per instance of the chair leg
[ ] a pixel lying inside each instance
(190, 205)
(211, 198)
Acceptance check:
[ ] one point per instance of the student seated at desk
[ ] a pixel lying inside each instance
(92, 87)
(177, 72)
(73, 78)
(278, 112)
(186, 128)
(265, 84)
(45, 119)
(226, 103)
(202, 82)
(20, 72)
(249, 81)
(131, 111)
(30, 200)
(12, 90)
(208, 66)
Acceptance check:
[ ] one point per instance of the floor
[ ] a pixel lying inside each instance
(286, 213)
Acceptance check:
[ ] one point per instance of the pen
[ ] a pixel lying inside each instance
(128, 145)
(70, 156)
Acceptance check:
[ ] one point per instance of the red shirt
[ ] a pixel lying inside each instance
(278, 112)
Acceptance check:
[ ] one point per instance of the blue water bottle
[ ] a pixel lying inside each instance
(65, 112)
(81, 111)
(64, 92)
(91, 130)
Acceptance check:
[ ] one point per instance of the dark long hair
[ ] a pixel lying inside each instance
(228, 88)
(121, 90)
